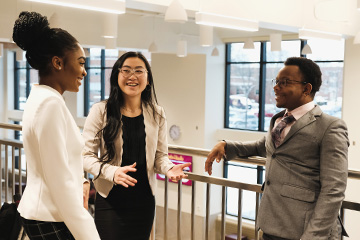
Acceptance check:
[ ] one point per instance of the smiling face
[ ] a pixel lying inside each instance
(132, 86)
(294, 94)
(73, 70)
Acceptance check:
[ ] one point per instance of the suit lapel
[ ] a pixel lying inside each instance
(302, 122)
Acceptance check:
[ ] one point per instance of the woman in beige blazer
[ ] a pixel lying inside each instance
(52, 204)
(129, 129)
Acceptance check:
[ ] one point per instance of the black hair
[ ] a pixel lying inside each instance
(116, 101)
(33, 34)
(310, 71)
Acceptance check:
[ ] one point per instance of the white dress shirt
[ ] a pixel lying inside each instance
(53, 145)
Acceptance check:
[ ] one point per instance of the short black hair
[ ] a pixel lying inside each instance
(33, 34)
(310, 71)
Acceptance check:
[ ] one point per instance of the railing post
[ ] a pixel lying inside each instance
(207, 211)
(256, 214)
(179, 210)
(13, 170)
(223, 203)
(165, 207)
(239, 228)
(6, 173)
(20, 172)
(1, 180)
(342, 217)
(193, 191)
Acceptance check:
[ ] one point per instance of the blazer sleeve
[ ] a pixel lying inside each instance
(245, 149)
(49, 129)
(93, 124)
(333, 178)
(162, 162)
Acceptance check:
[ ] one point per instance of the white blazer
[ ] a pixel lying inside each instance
(157, 160)
(53, 145)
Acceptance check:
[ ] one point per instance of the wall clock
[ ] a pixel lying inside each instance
(174, 132)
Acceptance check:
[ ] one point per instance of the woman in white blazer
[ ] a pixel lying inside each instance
(129, 129)
(52, 204)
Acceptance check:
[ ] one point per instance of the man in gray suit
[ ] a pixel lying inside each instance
(306, 160)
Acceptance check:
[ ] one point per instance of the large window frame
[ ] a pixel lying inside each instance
(17, 69)
(88, 69)
(262, 81)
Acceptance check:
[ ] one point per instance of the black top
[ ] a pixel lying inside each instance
(134, 151)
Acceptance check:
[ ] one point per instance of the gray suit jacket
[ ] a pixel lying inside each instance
(305, 178)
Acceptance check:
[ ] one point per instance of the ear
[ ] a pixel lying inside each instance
(307, 89)
(57, 63)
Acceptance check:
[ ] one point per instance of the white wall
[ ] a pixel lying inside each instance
(351, 116)
(180, 87)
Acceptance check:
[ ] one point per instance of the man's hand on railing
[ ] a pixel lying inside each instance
(177, 172)
(218, 152)
(121, 177)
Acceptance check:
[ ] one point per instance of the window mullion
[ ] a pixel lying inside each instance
(16, 84)
(87, 87)
(102, 79)
(302, 45)
(262, 82)
(227, 83)
(27, 79)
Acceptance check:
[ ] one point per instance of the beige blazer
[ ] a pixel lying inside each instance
(157, 160)
(53, 145)
(305, 178)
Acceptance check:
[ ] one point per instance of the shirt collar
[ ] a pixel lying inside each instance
(302, 110)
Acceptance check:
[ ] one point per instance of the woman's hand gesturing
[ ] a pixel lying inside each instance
(121, 177)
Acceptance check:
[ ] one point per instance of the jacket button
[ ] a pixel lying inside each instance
(267, 182)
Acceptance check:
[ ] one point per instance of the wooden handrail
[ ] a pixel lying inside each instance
(255, 160)
(10, 126)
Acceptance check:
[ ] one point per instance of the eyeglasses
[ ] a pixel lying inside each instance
(127, 72)
(284, 82)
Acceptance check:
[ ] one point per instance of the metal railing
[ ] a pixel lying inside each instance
(11, 180)
(208, 180)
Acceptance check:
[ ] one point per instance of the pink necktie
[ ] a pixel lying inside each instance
(276, 132)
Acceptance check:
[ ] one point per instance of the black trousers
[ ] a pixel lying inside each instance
(118, 221)
(39, 230)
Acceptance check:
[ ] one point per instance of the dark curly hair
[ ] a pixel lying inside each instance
(310, 71)
(116, 101)
(33, 34)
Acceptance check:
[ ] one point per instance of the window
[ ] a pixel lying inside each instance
(331, 63)
(250, 102)
(245, 173)
(98, 67)
(25, 76)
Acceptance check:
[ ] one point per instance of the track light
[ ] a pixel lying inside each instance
(108, 6)
(216, 20)
(310, 34)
